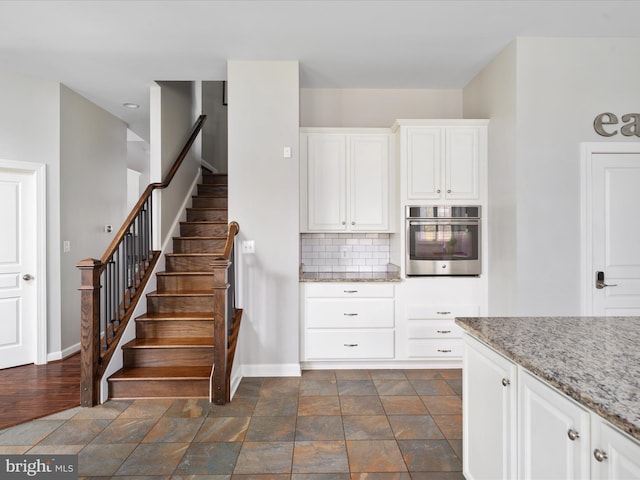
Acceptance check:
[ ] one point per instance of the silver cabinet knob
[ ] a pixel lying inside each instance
(599, 455)
(506, 382)
(26, 277)
(573, 435)
(448, 191)
(353, 223)
(438, 191)
(344, 223)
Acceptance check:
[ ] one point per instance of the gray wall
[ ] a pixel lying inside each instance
(172, 121)
(215, 130)
(362, 107)
(93, 193)
(560, 86)
(263, 199)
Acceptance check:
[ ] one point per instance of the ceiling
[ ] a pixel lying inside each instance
(112, 51)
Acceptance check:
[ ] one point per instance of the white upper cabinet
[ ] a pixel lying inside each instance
(345, 182)
(442, 159)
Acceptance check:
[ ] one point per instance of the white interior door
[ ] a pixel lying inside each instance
(18, 268)
(613, 228)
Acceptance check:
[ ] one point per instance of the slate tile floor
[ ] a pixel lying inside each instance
(326, 424)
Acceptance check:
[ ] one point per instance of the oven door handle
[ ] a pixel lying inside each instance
(448, 221)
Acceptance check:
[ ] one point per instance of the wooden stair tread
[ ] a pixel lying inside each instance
(203, 222)
(178, 274)
(200, 238)
(182, 293)
(199, 254)
(170, 342)
(162, 373)
(176, 316)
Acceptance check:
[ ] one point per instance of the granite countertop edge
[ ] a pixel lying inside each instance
(350, 277)
(535, 365)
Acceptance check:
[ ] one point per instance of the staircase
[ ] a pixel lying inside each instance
(173, 353)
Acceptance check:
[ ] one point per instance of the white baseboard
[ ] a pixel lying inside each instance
(272, 370)
(67, 352)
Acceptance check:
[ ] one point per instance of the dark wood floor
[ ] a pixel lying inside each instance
(34, 391)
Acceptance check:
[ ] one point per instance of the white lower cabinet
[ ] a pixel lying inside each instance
(519, 427)
(432, 332)
(489, 409)
(348, 321)
(553, 431)
(614, 456)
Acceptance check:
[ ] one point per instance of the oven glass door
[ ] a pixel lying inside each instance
(443, 241)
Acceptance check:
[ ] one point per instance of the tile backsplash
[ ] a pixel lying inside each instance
(326, 252)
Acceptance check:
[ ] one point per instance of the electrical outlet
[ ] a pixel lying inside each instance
(66, 246)
(108, 228)
(249, 246)
(344, 252)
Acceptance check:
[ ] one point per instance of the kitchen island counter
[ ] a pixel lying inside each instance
(594, 360)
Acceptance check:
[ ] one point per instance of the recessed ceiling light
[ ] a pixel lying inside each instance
(132, 106)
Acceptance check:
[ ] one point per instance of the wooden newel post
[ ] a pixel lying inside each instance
(90, 331)
(220, 340)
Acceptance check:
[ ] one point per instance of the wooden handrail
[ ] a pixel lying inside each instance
(151, 187)
(234, 228)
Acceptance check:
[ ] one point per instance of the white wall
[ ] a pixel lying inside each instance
(29, 132)
(172, 121)
(332, 107)
(93, 193)
(561, 85)
(263, 198)
(492, 94)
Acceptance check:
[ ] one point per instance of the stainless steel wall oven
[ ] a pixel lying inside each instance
(443, 240)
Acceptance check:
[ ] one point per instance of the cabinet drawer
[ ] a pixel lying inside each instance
(418, 312)
(349, 344)
(350, 290)
(364, 313)
(434, 329)
(435, 348)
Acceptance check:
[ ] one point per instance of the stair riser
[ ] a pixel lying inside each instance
(174, 283)
(215, 179)
(190, 388)
(210, 215)
(174, 328)
(198, 245)
(220, 190)
(210, 202)
(168, 357)
(190, 264)
(179, 304)
(203, 229)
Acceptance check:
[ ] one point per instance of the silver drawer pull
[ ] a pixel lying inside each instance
(350, 291)
(444, 351)
(350, 344)
(443, 313)
(444, 331)
(350, 314)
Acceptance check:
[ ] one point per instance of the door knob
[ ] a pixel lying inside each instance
(26, 277)
(600, 284)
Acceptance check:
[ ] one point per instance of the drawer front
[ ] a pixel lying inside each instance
(434, 329)
(350, 290)
(365, 313)
(441, 312)
(420, 348)
(349, 344)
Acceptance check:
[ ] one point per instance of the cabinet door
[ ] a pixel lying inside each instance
(424, 157)
(554, 433)
(489, 408)
(369, 182)
(461, 163)
(326, 182)
(615, 456)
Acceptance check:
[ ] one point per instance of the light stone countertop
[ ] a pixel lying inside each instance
(390, 276)
(594, 360)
